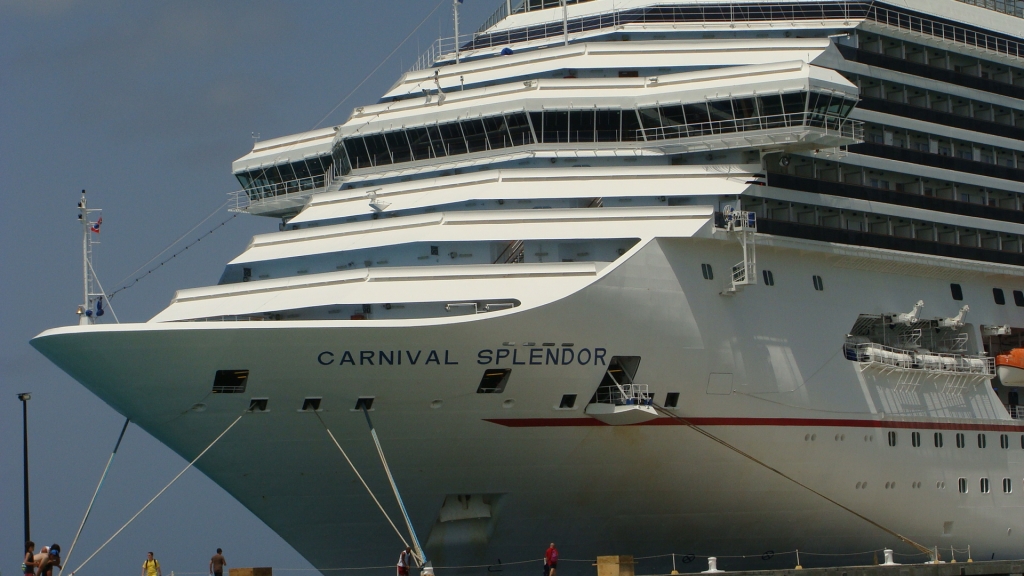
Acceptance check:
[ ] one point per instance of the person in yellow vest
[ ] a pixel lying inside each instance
(151, 567)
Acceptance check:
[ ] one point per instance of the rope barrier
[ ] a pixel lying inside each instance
(718, 440)
(164, 489)
(360, 476)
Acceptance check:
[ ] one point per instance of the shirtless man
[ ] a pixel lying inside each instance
(51, 561)
(217, 563)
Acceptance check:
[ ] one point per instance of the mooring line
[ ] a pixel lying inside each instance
(175, 479)
(714, 438)
(360, 476)
(92, 501)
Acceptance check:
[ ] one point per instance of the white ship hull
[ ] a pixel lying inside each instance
(549, 474)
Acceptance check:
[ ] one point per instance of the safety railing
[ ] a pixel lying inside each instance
(1016, 412)
(832, 126)
(624, 395)
(240, 200)
(731, 14)
(886, 356)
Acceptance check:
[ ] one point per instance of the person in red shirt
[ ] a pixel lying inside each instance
(551, 560)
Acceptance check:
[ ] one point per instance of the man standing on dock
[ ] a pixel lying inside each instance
(151, 567)
(404, 561)
(551, 560)
(217, 563)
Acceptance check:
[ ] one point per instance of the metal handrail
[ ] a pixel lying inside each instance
(836, 125)
(938, 362)
(730, 14)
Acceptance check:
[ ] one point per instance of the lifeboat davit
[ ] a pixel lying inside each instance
(1010, 367)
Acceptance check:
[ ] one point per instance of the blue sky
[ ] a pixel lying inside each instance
(145, 105)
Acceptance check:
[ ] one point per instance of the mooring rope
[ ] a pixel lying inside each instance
(175, 479)
(360, 476)
(92, 501)
(714, 438)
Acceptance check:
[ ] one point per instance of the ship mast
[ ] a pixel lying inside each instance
(85, 312)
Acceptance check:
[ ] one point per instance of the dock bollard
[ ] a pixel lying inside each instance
(712, 566)
(888, 558)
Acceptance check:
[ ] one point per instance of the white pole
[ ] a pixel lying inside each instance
(565, 22)
(455, 12)
(83, 215)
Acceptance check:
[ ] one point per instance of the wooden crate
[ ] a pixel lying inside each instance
(612, 566)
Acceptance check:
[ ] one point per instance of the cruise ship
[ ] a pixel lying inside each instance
(632, 276)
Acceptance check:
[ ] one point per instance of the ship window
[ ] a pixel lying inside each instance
(497, 132)
(938, 439)
(672, 400)
(311, 405)
(630, 126)
(398, 146)
(769, 278)
(258, 404)
(436, 142)
(364, 402)
(568, 401)
(892, 438)
(230, 381)
(982, 441)
(1004, 441)
(984, 486)
(961, 442)
(607, 125)
(672, 116)
(1018, 298)
(958, 293)
(706, 270)
(997, 295)
(493, 381)
(915, 439)
(818, 285)
(581, 126)
(377, 146)
(419, 142)
(451, 138)
(1007, 485)
(651, 120)
(794, 102)
(476, 136)
(962, 485)
(519, 129)
(556, 127)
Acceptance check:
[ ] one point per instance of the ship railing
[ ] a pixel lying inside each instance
(832, 125)
(1016, 412)
(729, 14)
(872, 353)
(1012, 7)
(243, 199)
(624, 395)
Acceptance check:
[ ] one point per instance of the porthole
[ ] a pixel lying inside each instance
(940, 485)
(984, 486)
(962, 485)
(982, 441)
(957, 291)
(769, 278)
(915, 439)
(997, 295)
(818, 285)
(1018, 298)
(892, 438)
(938, 439)
(961, 441)
(706, 270)
(1004, 441)
(1007, 486)
(858, 485)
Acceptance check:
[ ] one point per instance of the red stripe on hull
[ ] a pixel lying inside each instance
(777, 422)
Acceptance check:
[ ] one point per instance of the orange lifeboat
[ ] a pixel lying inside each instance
(1010, 367)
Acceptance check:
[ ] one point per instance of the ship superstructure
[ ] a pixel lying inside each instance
(553, 242)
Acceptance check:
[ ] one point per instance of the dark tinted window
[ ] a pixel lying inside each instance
(997, 295)
(607, 125)
(672, 400)
(630, 126)
(581, 126)
(958, 293)
(1018, 298)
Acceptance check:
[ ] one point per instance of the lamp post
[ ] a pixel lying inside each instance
(25, 397)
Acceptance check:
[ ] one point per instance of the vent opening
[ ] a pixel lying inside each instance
(493, 381)
(568, 401)
(672, 400)
(230, 381)
(311, 404)
(364, 402)
(258, 404)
